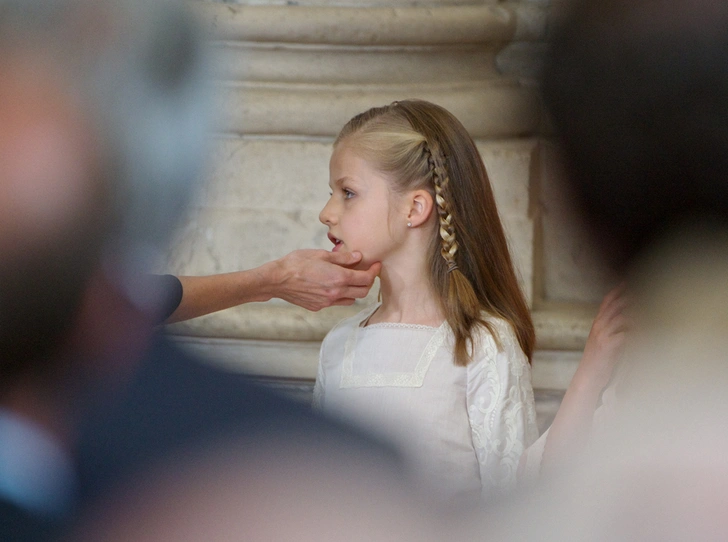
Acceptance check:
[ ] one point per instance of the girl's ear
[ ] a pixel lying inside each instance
(421, 204)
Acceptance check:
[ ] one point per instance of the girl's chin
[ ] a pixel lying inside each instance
(364, 263)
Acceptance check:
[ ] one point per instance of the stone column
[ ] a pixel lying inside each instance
(289, 77)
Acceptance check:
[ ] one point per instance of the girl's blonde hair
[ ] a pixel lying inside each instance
(420, 145)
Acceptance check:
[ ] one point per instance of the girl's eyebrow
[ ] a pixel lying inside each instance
(340, 180)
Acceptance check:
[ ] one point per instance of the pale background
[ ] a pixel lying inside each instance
(290, 75)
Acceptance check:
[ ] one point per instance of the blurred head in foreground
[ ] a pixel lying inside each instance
(104, 111)
(300, 486)
(638, 92)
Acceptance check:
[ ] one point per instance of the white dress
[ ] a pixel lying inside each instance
(462, 430)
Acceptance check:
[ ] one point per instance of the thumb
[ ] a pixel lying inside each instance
(345, 258)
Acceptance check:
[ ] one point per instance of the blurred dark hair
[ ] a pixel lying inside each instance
(40, 292)
(638, 92)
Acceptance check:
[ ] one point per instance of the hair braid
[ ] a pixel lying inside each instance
(447, 229)
(462, 304)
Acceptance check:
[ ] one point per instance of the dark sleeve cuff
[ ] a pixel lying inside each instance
(172, 288)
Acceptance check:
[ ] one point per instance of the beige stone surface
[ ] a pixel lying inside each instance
(268, 175)
(496, 108)
(346, 64)
(519, 233)
(563, 327)
(509, 164)
(554, 369)
(360, 24)
(360, 3)
(291, 76)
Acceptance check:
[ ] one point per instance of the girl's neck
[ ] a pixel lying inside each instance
(407, 297)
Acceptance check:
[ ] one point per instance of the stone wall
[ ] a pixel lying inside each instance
(290, 75)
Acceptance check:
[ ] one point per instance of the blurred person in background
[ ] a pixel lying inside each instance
(638, 92)
(104, 108)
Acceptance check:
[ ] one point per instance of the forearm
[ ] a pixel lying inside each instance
(573, 422)
(572, 425)
(312, 279)
(207, 294)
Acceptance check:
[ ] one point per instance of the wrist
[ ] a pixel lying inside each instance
(588, 386)
(268, 278)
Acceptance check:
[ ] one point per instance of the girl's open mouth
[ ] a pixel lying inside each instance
(337, 242)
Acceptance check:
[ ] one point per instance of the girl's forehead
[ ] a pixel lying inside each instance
(346, 147)
(348, 157)
(347, 164)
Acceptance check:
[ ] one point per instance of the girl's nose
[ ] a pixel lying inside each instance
(326, 216)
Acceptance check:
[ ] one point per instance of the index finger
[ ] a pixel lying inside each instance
(344, 259)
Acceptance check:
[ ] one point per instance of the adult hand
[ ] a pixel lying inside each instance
(315, 279)
(312, 279)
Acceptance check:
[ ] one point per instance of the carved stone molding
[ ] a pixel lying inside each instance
(369, 25)
(493, 109)
(306, 69)
(289, 76)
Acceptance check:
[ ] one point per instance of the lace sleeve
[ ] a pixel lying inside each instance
(501, 411)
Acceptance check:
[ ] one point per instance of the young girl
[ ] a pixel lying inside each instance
(441, 365)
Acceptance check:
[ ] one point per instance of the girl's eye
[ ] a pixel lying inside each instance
(348, 194)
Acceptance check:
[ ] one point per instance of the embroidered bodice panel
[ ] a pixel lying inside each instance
(462, 429)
